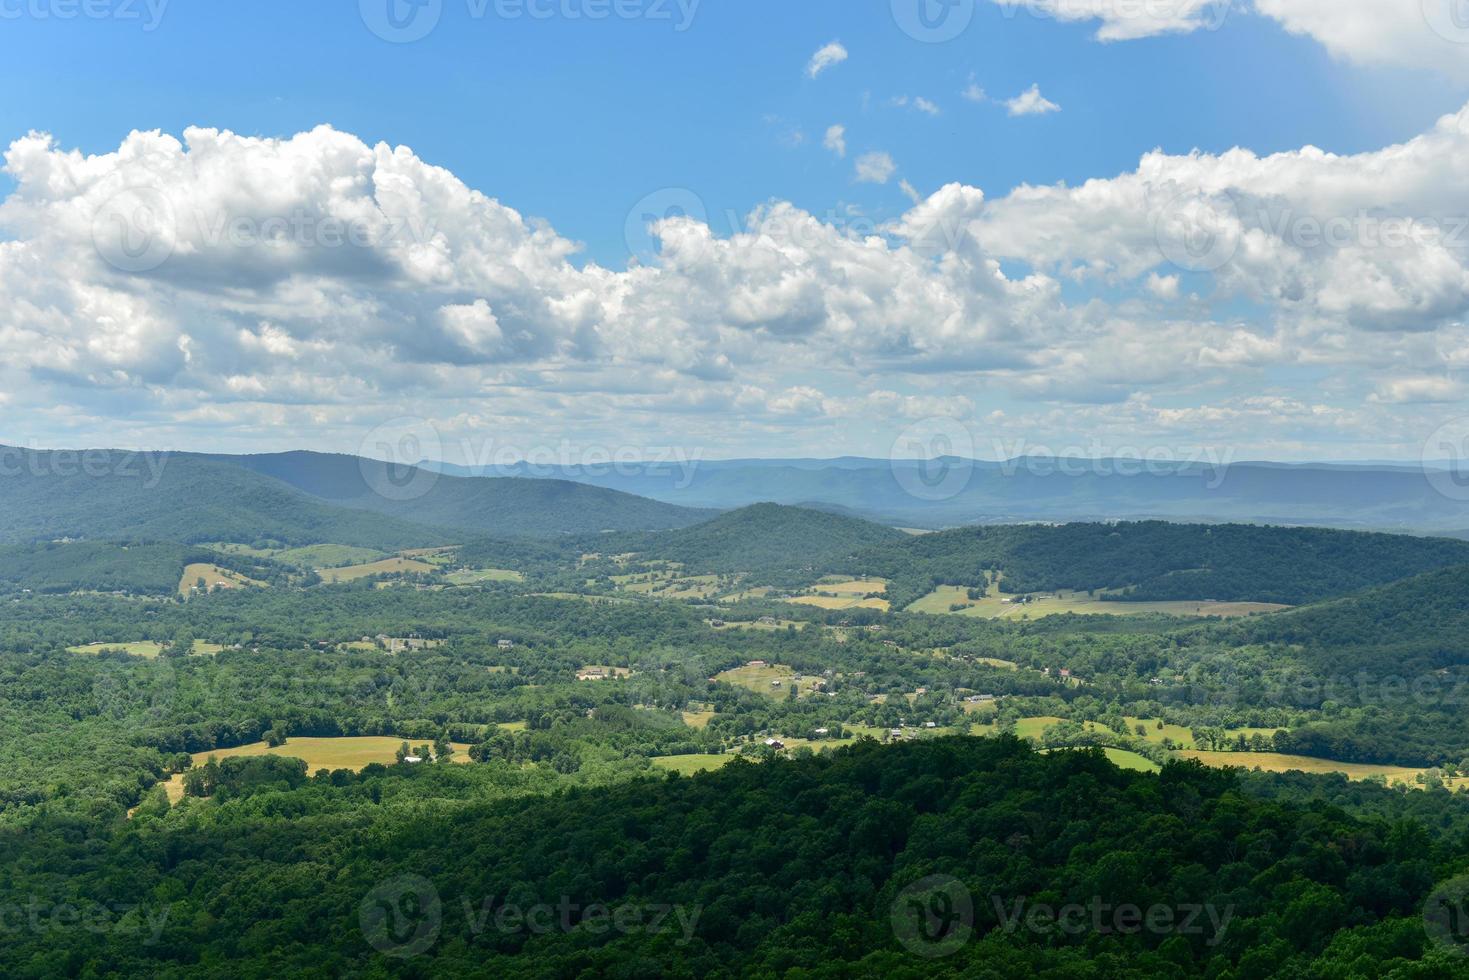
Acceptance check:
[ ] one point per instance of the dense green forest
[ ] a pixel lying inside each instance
(1158, 560)
(956, 857)
(850, 771)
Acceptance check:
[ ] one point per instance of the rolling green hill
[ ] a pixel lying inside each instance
(178, 497)
(503, 507)
(772, 542)
(150, 568)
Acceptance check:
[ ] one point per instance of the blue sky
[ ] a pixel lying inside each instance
(572, 122)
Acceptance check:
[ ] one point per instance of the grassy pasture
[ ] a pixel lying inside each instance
(388, 566)
(328, 556)
(353, 752)
(759, 679)
(687, 765)
(697, 719)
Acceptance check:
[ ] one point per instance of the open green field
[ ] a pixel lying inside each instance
(328, 556)
(995, 606)
(470, 576)
(761, 680)
(388, 566)
(687, 765)
(1277, 762)
(1124, 759)
(1183, 738)
(352, 752)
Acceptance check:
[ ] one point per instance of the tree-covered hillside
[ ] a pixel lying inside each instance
(948, 858)
(771, 542)
(503, 507)
(116, 495)
(1158, 560)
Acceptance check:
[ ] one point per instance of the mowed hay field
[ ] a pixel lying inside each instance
(994, 606)
(351, 752)
(388, 566)
(1278, 762)
(214, 578)
(148, 649)
(472, 575)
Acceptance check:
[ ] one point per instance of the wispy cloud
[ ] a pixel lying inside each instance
(1031, 103)
(875, 168)
(836, 139)
(829, 56)
(917, 103)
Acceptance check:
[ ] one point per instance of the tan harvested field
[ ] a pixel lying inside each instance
(697, 719)
(146, 648)
(1277, 762)
(214, 578)
(353, 752)
(143, 648)
(473, 575)
(839, 602)
(859, 586)
(388, 566)
(995, 606)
